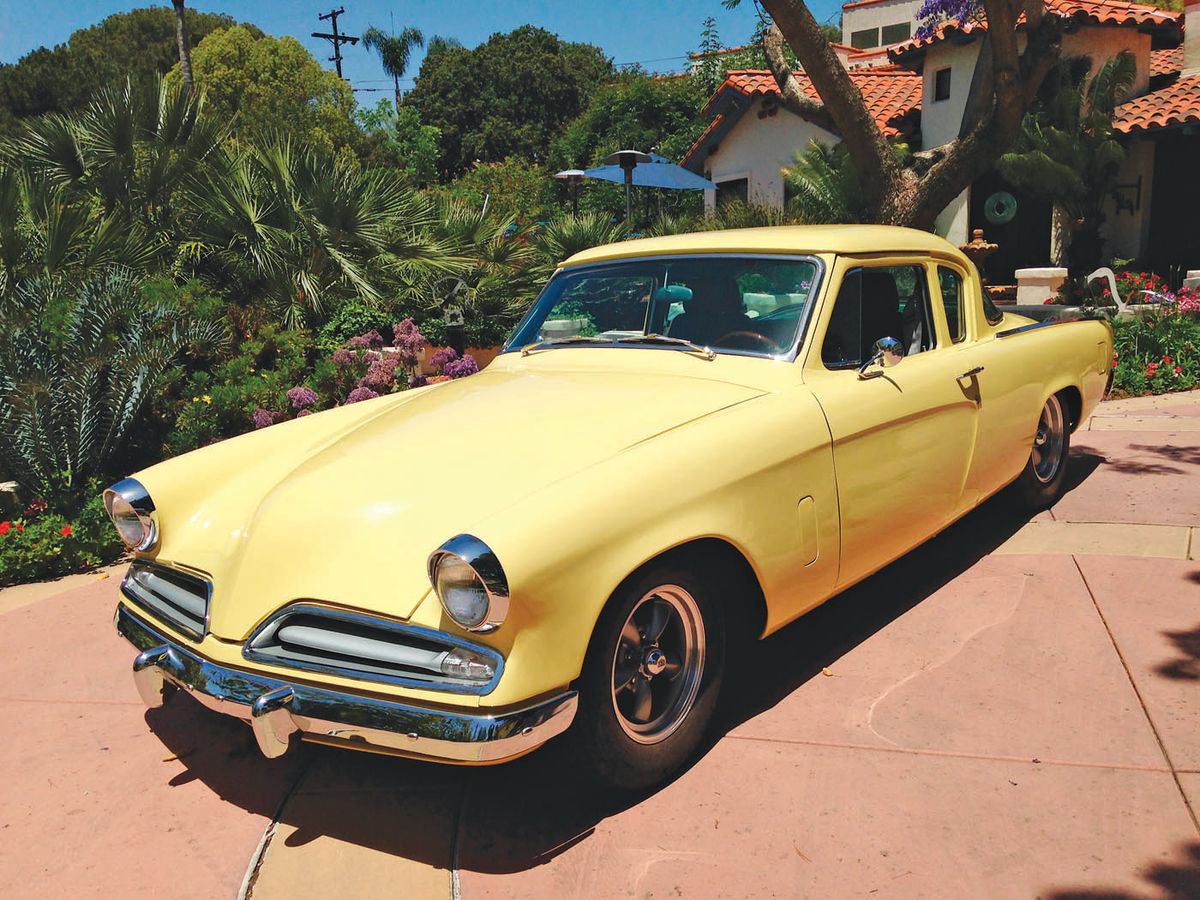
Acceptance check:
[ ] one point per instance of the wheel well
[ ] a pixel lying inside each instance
(1074, 403)
(726, 562)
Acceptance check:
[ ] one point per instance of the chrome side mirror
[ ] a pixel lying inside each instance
(888, 352)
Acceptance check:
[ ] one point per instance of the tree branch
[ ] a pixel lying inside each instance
(793, 97)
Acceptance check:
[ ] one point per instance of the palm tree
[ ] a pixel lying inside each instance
(1068, 152)
(394, 51)
(181, 38)
(300, 226)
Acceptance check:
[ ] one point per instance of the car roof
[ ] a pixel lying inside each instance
(777, 239)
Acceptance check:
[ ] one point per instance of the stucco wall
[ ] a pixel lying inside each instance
(1126, 233)
(758, 149)
(1101, 43)
(877, 15)
(941, 119)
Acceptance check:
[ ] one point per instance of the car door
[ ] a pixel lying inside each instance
(903, 440)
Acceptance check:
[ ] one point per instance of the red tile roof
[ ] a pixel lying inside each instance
(892, 94)
(1176, 104)
(1083, 12)
(1167, 62)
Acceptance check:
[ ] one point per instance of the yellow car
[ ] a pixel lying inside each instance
(687, 439)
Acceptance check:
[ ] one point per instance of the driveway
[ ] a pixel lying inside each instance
(1011, 710)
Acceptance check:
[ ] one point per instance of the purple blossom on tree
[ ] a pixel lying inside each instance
(372, 340)
(361, 393)
(934, 12)
(302, 397)
(409, 341)
(461, 368)
(263, 418)
(445, 355)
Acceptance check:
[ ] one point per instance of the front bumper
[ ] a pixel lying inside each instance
(279, 711)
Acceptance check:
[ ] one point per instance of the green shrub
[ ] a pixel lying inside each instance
(1157, 353)
(48, 544)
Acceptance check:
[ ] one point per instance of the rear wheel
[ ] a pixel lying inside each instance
(651, 678)
(1043, 480)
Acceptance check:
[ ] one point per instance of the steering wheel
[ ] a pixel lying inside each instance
(753, 337)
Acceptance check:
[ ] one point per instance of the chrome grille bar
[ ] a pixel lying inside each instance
(175, 597)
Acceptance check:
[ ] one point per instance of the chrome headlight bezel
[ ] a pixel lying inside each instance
(133, 493)
(488, 573)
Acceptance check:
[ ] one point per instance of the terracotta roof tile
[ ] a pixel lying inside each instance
(1176, 104)
(893, 94)
(1093, 12)
(1166, 62)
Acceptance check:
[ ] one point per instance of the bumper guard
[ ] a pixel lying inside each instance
(279, 711)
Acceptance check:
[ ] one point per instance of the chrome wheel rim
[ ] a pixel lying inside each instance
(658, 664)
(1048, 442)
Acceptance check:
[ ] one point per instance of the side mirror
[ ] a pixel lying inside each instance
(888, 352)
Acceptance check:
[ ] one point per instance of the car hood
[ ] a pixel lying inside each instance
(347, 512)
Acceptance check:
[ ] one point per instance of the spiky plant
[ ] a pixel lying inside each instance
(1068, 152)
(77, 365)
(569, 235)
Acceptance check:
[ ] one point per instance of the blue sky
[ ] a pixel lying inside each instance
(658, 34)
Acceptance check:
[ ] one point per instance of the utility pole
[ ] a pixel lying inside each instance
(336, 39)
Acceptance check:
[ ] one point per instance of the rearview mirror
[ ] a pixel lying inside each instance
(888, 352)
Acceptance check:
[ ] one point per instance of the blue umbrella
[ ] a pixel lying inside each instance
(659, 172)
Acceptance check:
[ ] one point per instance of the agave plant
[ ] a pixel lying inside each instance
(300, 226)
(77, 365)
(569, 235)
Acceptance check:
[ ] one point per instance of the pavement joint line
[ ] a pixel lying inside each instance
(1141, 700)
(957, 754)
(69, 702)
(246, 891)
(456, 842)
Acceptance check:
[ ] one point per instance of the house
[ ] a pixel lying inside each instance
(917, 87)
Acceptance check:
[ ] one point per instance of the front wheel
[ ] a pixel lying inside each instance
(651, 678)
(1041, 483)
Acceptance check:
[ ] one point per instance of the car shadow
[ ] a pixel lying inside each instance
(520, 815)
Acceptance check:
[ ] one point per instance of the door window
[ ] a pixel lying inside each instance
(876, 302)
(951, 286)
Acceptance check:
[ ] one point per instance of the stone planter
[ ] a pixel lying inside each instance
(1036, 286)
(481, 355)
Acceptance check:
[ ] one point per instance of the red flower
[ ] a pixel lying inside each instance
(1178, 371)
(1166, 360)
(20, 527)
(66, 531)
(4, 526)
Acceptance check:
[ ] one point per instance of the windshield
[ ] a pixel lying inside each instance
(748, 305)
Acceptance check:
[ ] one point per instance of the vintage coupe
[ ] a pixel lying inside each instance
(688, 438)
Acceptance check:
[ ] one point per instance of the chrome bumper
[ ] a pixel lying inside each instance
(278, 711)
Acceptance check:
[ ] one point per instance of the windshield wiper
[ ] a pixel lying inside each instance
(681, 343)
(564, 341)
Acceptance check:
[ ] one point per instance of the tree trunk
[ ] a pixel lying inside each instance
(181, 38)
(1001, 93)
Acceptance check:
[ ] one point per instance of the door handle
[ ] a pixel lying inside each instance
(970, 373)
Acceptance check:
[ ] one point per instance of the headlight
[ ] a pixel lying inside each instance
(132, 512)
(470, 583)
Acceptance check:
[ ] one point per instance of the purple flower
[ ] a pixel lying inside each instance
(445, 355)
(418, 381)
(933, 12)
(461, 368)
(361, 393)
(302, 397)
(381, 373)
(263, 418)
(304, 412)
(343, 357)
(372, 340)
(409, 341)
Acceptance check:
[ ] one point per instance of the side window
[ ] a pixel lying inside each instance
(875, 302)
(951, 285)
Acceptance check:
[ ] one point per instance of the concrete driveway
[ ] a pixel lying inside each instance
(1012, 710)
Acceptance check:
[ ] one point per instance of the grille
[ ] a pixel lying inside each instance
(373, 649)
(175, 597)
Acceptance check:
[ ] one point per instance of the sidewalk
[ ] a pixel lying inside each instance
(1011, 710)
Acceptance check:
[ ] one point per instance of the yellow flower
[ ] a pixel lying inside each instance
(194, 399)
(206, 398)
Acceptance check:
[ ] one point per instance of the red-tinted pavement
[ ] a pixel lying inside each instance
(1009, 711)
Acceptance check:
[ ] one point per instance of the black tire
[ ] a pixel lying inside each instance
(1041, 483)
(645, 699)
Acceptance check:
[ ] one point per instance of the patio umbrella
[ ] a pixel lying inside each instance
(658, 171)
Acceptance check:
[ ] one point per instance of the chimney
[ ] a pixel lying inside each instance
(1191, 38)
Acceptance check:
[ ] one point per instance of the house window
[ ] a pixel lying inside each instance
(941, 84)
(865, 39)
(894, 34)
(734, 189)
